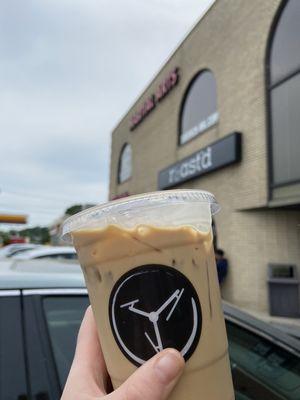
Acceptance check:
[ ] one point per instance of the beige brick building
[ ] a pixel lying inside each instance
(237, 71)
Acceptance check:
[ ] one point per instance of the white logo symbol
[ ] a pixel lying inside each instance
(154, 336)
(154, 316)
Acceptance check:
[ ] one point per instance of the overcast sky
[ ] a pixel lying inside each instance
(69, 70)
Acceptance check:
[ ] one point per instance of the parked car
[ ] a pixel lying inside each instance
(13, 249)
(57, 252)
(41, 308)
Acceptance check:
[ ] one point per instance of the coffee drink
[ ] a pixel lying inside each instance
(154, 286)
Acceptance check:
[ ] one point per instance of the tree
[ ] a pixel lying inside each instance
(38, 234)
(77, 208)
(4, 238)
(73, 209)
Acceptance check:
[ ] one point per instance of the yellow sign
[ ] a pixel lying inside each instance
(13, 219)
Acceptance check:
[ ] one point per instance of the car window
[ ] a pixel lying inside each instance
(65, 256)
(261, 369)
(18, 251)
(46, 256)
(11, 250)
(68, 256)
(64, 315)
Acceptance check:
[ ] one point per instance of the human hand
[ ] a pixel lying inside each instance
(88, 378)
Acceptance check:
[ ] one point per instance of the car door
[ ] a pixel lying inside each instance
(263, 367)
(13, 379)
(52, 319)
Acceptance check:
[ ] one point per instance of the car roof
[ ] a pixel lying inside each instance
(44, 251)
(32, 274)
(10, 247)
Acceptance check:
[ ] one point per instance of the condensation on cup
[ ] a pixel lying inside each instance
(149, 267)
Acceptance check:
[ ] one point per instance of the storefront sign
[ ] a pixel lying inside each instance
(163, 89)
(217, 155)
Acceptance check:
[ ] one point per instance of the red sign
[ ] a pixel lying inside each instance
(163, 89)
(16, 239)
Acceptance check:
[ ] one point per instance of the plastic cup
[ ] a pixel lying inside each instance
(149, 267)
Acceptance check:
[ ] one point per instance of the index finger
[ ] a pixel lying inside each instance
(88, 375)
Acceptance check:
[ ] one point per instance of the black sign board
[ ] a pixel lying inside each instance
(217, 155)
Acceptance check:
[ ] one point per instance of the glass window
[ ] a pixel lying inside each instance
(64, 256)
(46, 256)
(125, 164)
(64, 315)
(69, 256)
(285, 96)
(199, 111)
(285, 52)
(260, 368)
(285, 100)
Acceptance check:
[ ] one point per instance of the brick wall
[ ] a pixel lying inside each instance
(231, 41)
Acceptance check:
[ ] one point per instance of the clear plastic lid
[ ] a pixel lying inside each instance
(165, 208)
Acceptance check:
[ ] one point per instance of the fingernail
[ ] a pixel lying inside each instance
(169, 366)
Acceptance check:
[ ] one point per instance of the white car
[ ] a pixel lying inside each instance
(16, 248)
(57, 252)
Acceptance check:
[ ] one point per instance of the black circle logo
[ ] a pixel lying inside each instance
(153, 307)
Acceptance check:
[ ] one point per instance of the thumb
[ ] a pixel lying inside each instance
(154, 380)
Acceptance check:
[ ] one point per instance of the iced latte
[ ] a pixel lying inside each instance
(149, 267)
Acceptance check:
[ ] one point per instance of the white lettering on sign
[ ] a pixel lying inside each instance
(199, 162)
(201, 127)
(223, 152)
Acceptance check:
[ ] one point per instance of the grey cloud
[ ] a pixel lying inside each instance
(78, 160)
(69, 70)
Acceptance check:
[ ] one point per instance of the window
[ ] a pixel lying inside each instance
(284, 79)
(285, 51)
(199, 110)
(69, 256)
(125, 164)
(62, 256)
(64, 315)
